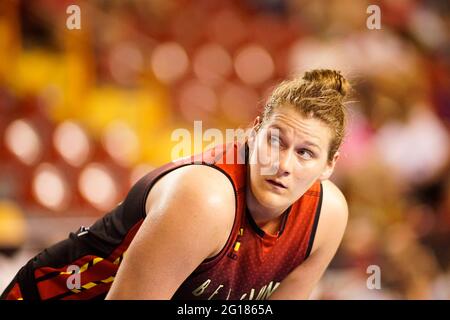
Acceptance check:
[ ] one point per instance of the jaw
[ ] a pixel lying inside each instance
(266, 202)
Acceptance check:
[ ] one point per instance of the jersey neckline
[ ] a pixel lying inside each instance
(265, 235)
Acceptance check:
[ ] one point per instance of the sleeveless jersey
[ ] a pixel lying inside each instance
(251, 264)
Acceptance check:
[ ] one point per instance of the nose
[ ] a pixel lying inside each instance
(285, 162)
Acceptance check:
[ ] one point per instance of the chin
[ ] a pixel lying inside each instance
(270, 200)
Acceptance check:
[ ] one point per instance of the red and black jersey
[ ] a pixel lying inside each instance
(250, 266)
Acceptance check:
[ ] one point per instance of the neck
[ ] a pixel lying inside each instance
(261, 214)
(267, 220)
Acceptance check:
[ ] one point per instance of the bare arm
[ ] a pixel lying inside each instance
(333, 220)
(190, 213)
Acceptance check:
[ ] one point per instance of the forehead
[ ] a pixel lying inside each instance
(293, 123)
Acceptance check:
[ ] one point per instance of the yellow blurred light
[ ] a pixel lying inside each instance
(307, 54)
(36, 70)
(72, 143)
(50, 187)
(125, 62)
(158, 151)
(254, 65)
(12, 224)
(169, 62)
(197, 101)
(141, 109)
(98, 187)
(212, 63)
(22, 139)
(122, 143)
(239, 103)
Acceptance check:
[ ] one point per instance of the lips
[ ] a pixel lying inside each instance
(276, 183)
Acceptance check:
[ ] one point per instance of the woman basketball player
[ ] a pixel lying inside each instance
(215, 229)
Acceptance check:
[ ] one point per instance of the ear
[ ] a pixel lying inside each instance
(256, 126)
(326, 174)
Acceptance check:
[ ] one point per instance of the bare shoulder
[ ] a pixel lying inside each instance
(334, 202)
(190, 212)
(333, 216)
(199, 184)
(198, 194)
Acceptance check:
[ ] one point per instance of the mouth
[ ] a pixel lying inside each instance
(276, 183)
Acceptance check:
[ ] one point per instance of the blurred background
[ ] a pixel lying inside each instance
(85, 113)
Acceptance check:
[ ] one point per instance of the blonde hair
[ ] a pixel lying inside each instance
(320, 94)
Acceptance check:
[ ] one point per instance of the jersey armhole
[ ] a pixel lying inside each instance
(211, 261)
(315, 224)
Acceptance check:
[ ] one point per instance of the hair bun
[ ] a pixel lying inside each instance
(329, 79)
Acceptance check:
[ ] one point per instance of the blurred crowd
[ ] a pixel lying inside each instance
(85, 113)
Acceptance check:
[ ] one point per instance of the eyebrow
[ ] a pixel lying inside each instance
(309, 143)
(313, 145)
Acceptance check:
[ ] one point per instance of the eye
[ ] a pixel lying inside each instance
(306, 154)
(274, 139)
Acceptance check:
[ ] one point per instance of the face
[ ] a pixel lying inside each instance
(287, 155)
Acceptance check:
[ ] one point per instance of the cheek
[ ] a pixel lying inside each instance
(264, 154)
(299, 184)
(256, 185)
(254, 176)
(300, 187)
(306, 175)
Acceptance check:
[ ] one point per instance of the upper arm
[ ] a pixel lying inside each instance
(333, 220)
(332, 223)
(190, 213)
